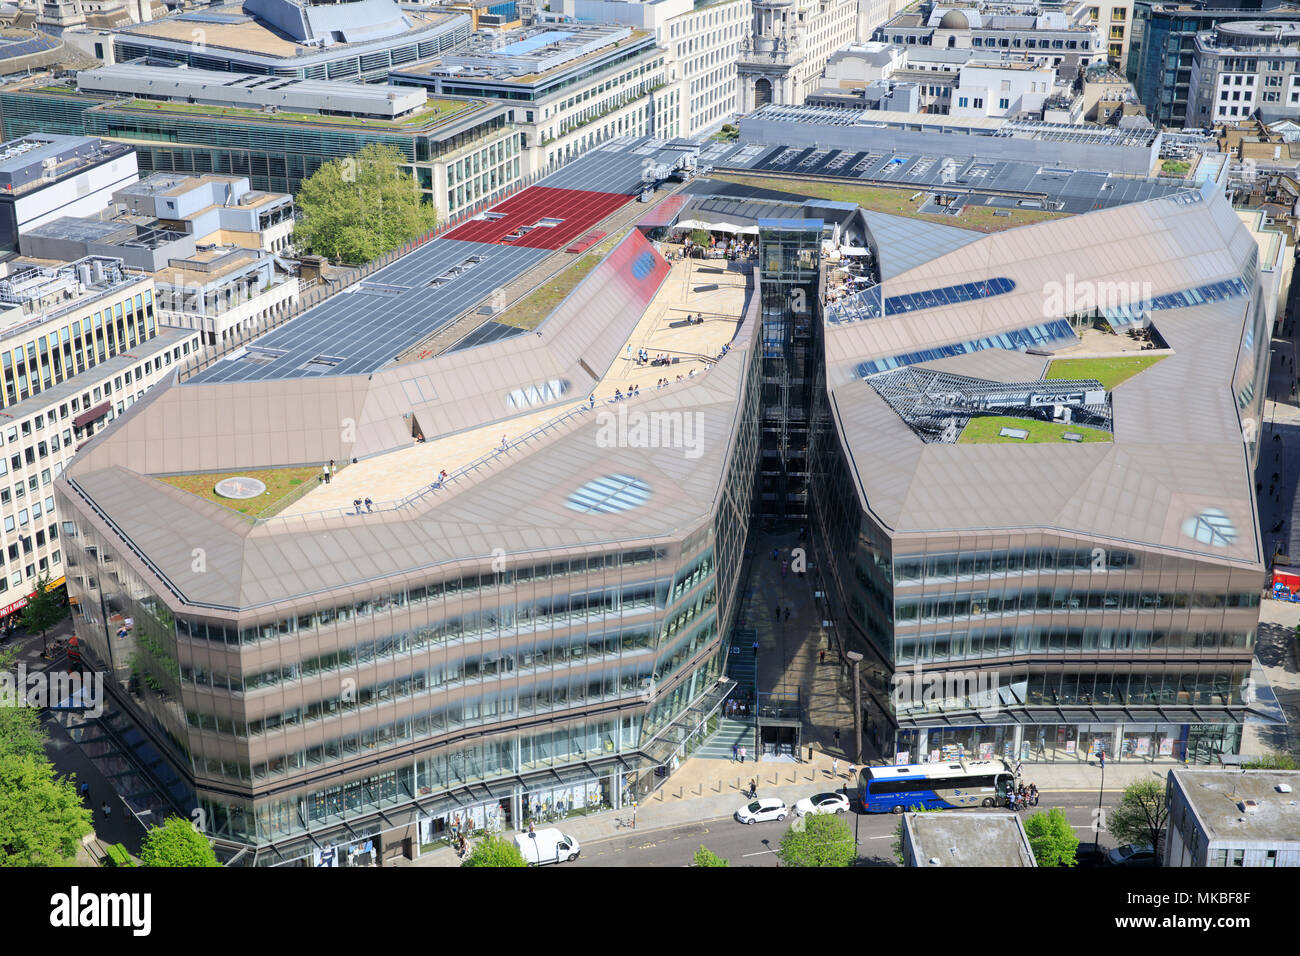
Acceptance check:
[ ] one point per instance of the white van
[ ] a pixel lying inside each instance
(547, 846)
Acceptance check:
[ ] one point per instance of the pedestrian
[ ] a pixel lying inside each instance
(85, 791)
(753, 788)
(835, 767)
(332, 465)
(776, 614)
(823, 656)
(1017, 768)
(742, 754)
(836, 735)
(1101, 758)
(787, 614)
(370, 506)
(106, 810)
(735, 751)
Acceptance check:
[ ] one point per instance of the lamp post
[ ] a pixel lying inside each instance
(1096, 841)
(856, 659)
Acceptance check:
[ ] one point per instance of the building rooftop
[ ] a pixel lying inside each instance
(1177, 474)
(288, 94)
(1219, 800)
(287, 29)
(951, 838)
(530, 54)
(32, 161)
(559, 482)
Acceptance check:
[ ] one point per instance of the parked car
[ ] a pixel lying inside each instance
(762, 810)
(1089, 855)
(822, 803)
(547, 846)
(1131, 854)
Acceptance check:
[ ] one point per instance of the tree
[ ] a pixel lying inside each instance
(358, 208)
(42, 820)
(1140, 816)
(21, 733)
(822, 840)
(495, 851)
(43, 609)
(700, 237)
(1052, 838)
(1272, 761)
(176, 843)
(706, 857)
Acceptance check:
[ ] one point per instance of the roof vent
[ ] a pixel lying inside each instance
(1284, 788)
(1249, 806)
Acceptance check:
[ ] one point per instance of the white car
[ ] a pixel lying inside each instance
(822, 803)
(762, 810)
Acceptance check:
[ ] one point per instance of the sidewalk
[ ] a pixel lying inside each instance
(704, 789)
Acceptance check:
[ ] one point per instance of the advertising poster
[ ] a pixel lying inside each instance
(1069, 746)
(902, 757)
(1166, 746)
(1142, 746)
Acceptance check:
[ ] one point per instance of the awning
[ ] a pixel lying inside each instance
(96, 413)
(854, 251)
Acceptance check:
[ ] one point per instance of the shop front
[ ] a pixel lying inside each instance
(1070, 742)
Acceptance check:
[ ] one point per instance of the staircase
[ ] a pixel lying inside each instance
(742, 669)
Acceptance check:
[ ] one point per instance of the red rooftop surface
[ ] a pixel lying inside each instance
(515, 222)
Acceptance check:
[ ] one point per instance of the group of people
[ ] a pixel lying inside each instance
(643, 357)
(1024, 796)
(327, 473)
(358, 502)
(736, 708)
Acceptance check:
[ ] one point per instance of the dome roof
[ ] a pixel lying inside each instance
(954, 20)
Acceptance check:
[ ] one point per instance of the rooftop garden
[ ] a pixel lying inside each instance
(283, 487)
(433, 111)
(986, 429)
(1109, 371)
(532, 309)
(897, 202)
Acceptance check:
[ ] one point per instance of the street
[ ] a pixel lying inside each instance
(756, 845)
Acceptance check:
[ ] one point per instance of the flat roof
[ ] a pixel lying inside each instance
(968, 838)
(229, 28)
(1216, 797)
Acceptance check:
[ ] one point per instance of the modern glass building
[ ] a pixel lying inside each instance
(536, 631)
(1035, 564)
(1163, 47)
(460, 152)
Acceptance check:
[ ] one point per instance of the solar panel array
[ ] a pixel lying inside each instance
(363, 328)
(12, 48)
(387, 313)
(1077, 191)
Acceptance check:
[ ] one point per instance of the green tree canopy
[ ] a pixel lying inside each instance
(43, 609)
(1052, 838)
(21, 733)
(822, 840)
(358, 208)
(700, 237)
(495, 851)
(1140, 816)
(176, 843)
(41, 818)
(706, 857)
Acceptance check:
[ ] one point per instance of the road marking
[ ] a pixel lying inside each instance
(760, 853)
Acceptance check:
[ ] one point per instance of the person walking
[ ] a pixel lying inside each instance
(106, 810)
(742, 754)
(735, 751)
(1101, 759)
(836, 737)
(753, 788)
(823, 657)
(835, 767)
